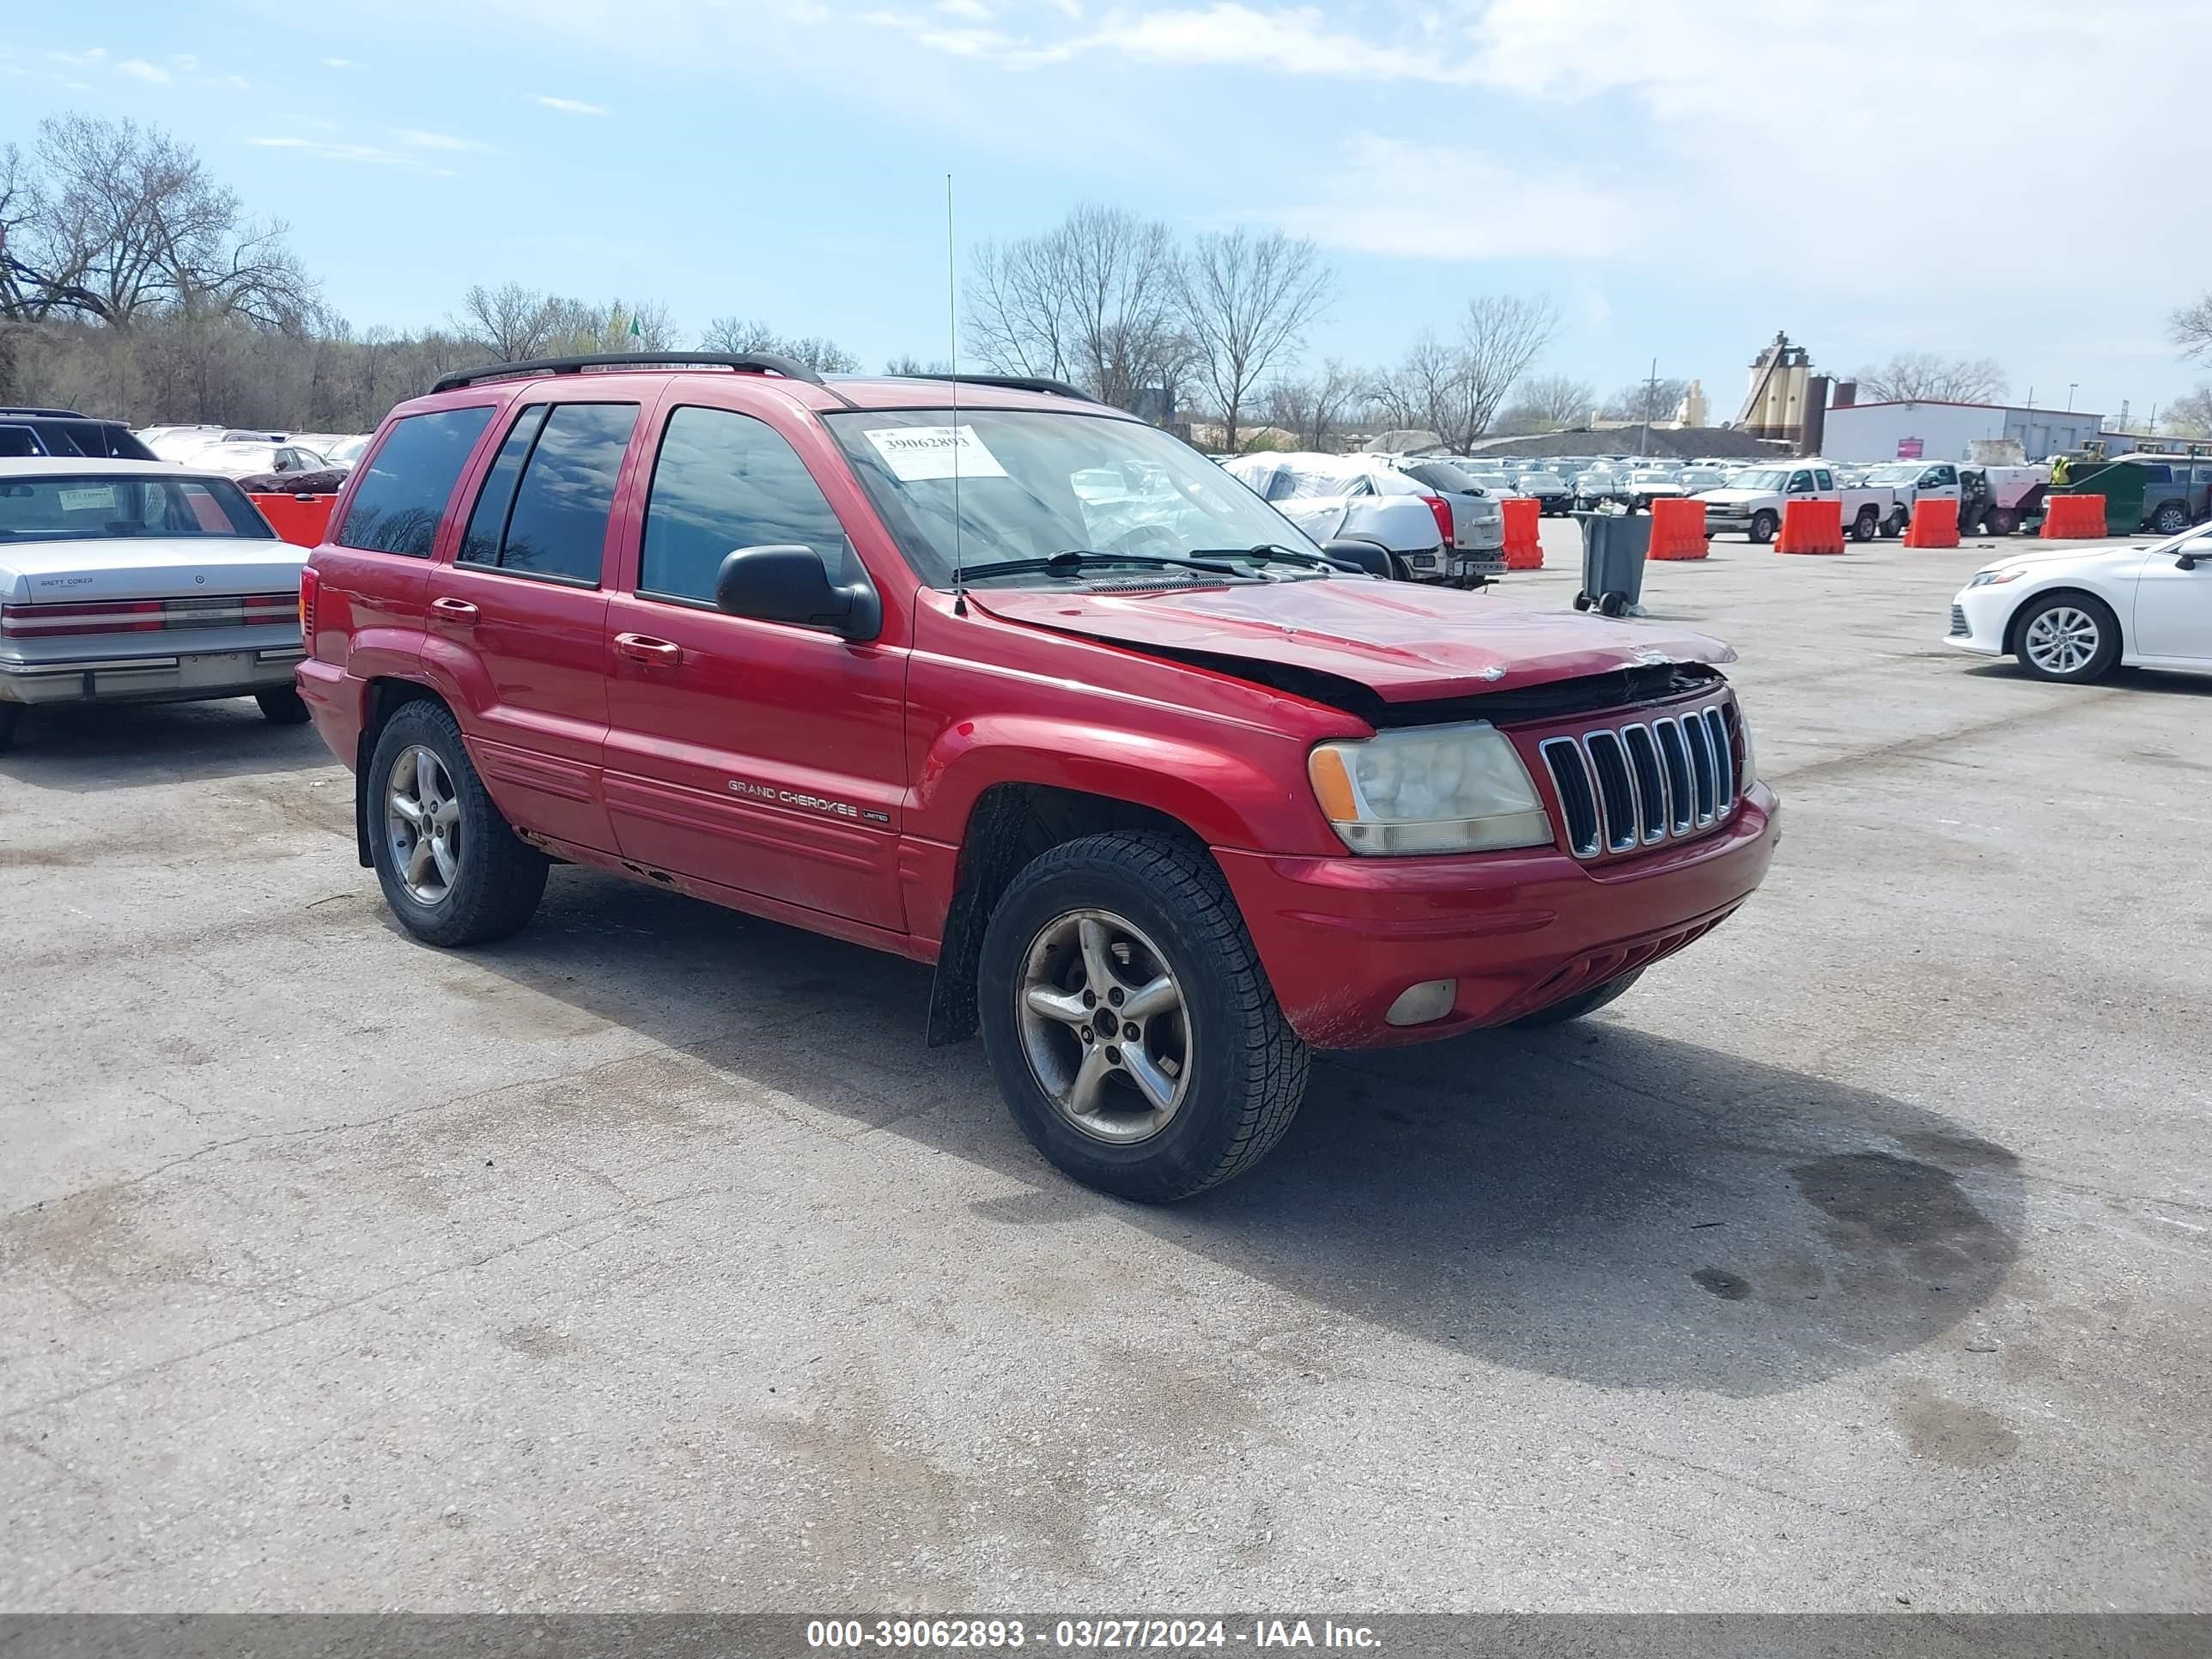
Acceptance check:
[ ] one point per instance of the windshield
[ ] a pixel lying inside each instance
(1034, 482)
(1766, 479)
(1893, 475)
(85, 506)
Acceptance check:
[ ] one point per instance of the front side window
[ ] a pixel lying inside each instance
(1023, 489)
(48, 508)
(1801, 484)
(725, 481)
(399, 500)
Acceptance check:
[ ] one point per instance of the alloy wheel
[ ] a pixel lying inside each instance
(2063, 640)
(1104, 1026)
(422, 824)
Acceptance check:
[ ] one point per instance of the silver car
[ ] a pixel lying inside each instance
(139, 581)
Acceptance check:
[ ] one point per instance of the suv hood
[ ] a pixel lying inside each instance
(1405, 642)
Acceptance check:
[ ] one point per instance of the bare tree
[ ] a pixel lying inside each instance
(910, 365)
(113, 222)
(1546, 402)
(1246, 300)
(1930, 377)
(510, 322)
(1314, 407)
(1500, 335)
(1094, 299)
(2189, 415)
(1644, 401)
(2192, 328)
(739, 335)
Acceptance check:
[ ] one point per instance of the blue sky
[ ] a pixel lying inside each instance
(1682, 177)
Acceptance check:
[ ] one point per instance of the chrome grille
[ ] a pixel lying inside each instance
(1624, 787)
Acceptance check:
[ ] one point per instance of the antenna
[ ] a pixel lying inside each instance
(952, 328)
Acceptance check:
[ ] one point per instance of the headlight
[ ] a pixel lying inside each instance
(1987, 578)
(1435, 789)
(1750, 755)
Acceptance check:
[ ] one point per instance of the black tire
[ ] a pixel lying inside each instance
(499, 878)
(1893, 526)
(2100, 660)
(281, 706)
(1581, 601)
(1574, 1007)
(1248, 1074)
(11, 722)
(1612, 605)
(1867, 526)
(2170, 519)
(2004, 522)
(1762, 528)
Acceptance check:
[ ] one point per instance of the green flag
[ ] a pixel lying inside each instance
(635, 332)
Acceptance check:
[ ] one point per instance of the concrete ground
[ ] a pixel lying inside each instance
(1862, 1254)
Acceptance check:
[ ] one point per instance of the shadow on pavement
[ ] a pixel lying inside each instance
(1592, 1202)
(89, 747)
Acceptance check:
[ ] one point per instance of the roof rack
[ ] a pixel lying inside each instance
(1015, 383)
(45, 414)
(760, 362)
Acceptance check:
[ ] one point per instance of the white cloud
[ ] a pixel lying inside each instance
(416, 138)
(139, 69)
(1435, 202)
(331, 149)
(571, 106)
(974, 10)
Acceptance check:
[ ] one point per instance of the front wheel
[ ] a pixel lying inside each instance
(1586, 1002)
(1762, 528)
(1893, 526)
(1128, 1022)
(2069, 637)
(452, 870)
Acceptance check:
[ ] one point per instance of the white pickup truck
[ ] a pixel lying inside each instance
(1993, 501)
(1751, 504)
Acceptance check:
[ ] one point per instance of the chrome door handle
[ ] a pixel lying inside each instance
(458, 610)
(643, 648)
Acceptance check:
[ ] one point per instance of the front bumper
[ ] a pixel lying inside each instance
(174, 677)
(1979, 616)
(1342, 939)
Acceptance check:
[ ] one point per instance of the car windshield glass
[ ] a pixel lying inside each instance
(1773, 478)
(1893, 475)
(1035, 483)
(85, 506)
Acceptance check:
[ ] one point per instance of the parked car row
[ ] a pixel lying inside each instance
(239, 452)
(1414, 520)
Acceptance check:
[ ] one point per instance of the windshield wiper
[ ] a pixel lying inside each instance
(1268, 553)
(1073, 561)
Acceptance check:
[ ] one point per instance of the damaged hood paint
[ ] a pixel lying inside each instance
(1405, 642)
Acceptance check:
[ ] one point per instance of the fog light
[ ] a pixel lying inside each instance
(1417, 1005)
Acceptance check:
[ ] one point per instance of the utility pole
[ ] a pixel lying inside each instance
(2070, 384)
(1650, 396)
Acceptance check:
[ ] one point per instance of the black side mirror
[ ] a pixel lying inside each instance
(788, 583)
(1358, 556)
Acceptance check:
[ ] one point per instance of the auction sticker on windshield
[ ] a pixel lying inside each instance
(917, 454)
(92, 500)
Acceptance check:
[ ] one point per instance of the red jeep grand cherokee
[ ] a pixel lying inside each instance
(997, 677)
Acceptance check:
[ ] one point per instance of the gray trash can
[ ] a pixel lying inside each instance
(1613, 546)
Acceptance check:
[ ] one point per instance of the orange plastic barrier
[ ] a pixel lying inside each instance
(2070, 517)
(1524, 546)
(300, 519)
(1811, 528)
(1678, 530)
(1934, 523)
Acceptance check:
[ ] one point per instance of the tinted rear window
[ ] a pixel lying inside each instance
(558, 526)
(397, 503)
(1439, 475)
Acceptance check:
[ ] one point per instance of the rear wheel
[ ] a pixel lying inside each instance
(1128, 1022)
(2170, 519)
(1867, 526)
(2003, 521)
(451, 869)
(2071, 637)
(281, 706)
(1762, 528)
(1574, 1007)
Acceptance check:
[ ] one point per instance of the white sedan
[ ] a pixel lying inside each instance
(2072, 616)
(141, 581)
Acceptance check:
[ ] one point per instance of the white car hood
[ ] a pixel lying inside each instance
(1732, 496)
(145, 568)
